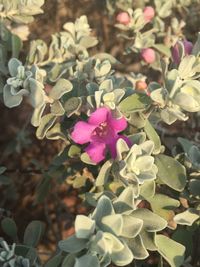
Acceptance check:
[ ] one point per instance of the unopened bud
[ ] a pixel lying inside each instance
(148, 55)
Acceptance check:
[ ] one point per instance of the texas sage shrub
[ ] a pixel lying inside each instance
(110, 122)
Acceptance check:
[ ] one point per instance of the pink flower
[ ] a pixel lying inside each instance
(188, 46)
(148, 55)
(149, 13)
(101, 132)
(123, 18)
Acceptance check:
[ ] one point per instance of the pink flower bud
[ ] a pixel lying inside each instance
(123, 18)
(148, 55)
(149, 13)
(141, 85)
(176, 50)
(188, 47)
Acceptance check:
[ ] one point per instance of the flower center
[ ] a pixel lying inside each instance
(101, 130)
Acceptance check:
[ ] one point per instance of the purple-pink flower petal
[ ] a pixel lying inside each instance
(96, 151)
(188, 47)
(82, 132)
(117, 124)
(99, 116)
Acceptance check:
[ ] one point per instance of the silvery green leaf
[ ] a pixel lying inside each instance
(55, 133)
(145, 163)
(122, 147)
(98, 244)
(148, 239)
(88, 41)
(123, 257)
(113, 243)
(72, 105)
(58, 70)
(41, 50)
(165, 50)
(138, 165)
(87, 261)
(190, 91)
(104, 208)
(109, 97)
(13, 65)
(37, 73)
(11, 100)
(62, 87)
(82, 27)
(119, 94)
(46, 123)
(186, 68)
(104, 173)
(131, 226)
(57, 108)
(172, 81)
(37, 52)
(164, 206)
(137, 138)
(98, 97)
(171, 172)
(72, 244)
(171, 251)
(105, 56)
(137, 247)
(92, 88)
(147, 147)
(137, 119)
(147, 175)
(160, 96)
(105, 261)
(153, 136)
(151, 221)
(187, 102)
(164, 8)
(84, 226)
(187, 217)
(22, 11)
(102, 68)
(170, 115)
(36, 93)
(36, 116)
(69, 26)
(134, 103)
(112, 223)
(125, 201)
(86, 159)
(147, 189)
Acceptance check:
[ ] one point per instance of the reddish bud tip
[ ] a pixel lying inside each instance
(123, 18)
(149, 13)
(148, 55)
(141, 85)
